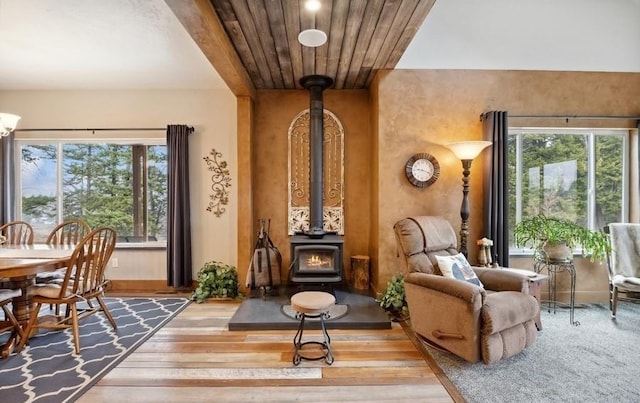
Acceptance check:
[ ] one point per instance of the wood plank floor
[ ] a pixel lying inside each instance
(194, 358)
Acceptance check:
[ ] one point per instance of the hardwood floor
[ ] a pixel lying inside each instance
(194, 358)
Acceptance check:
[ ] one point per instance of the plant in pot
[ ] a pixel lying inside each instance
(555, 238)
(216, 280)
(393, 299)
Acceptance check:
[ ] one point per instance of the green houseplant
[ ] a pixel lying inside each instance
(552, 235)
(393, 298)
(216, 280)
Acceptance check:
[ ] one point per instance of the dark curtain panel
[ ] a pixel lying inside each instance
(496, 185)
(178, 212)
(7, 188)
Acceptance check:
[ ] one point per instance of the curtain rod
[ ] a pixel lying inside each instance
(90, 130)
(567, 117)
(100, 129)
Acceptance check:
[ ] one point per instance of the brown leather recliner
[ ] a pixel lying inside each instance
(490, 323)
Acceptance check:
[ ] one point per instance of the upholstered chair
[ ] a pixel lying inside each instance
(623, 264)
(489, 322)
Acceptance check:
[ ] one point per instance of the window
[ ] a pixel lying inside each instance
(575, 174)
(120, 185)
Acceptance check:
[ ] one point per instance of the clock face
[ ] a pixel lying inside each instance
(422, 170)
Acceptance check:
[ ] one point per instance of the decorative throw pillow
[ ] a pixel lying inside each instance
(457, 266)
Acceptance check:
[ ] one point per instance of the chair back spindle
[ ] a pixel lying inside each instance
(17, 233)
(69, 232)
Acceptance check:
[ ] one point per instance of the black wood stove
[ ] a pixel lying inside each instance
(316, 256)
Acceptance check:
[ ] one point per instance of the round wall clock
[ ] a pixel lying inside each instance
(422, 170)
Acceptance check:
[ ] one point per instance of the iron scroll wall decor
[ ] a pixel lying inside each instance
(333, 166)
(221, 182)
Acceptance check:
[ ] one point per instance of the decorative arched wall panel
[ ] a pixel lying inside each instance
(333, 172)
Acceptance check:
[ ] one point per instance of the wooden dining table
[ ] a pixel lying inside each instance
(19, 266)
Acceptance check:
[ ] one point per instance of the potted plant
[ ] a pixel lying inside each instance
(216, 280)
(393, 299)
(555, 238)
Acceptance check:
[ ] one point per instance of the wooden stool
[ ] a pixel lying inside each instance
(312, 304)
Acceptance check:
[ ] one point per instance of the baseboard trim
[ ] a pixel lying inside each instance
(156, 286)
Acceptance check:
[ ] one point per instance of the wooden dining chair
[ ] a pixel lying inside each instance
(69, 232)
(10, 322)
(17, 233)
(84, 281)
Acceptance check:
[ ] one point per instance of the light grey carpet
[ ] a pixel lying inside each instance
(598, 361)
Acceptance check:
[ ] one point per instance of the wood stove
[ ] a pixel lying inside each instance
(316, 260)
(316, 256)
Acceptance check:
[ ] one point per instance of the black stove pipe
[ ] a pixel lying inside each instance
(316, 84)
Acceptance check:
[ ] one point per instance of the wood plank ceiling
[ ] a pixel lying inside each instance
(363, 37)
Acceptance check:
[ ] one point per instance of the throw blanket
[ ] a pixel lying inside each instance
(625, 249)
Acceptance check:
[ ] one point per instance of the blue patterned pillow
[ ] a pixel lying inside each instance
(457, 266)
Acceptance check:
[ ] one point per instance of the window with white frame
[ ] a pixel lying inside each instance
(116, 184)
(576, 174)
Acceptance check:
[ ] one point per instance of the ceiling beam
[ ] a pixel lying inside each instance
(201, 22)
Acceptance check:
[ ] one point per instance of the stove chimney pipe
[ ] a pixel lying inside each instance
(316, 84)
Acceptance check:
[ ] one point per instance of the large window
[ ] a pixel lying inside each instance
(123, 186)
(578, 175)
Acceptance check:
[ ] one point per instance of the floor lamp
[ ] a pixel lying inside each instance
(466, 151)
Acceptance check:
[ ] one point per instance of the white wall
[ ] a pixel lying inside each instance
(211, 112)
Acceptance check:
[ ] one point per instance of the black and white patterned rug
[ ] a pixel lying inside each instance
(48, 370)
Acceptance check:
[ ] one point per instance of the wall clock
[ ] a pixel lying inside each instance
(422, 170)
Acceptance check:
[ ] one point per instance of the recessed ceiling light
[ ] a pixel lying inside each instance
(312, 5)
(312, 38)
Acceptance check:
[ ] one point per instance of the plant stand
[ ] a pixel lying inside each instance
(553, 267)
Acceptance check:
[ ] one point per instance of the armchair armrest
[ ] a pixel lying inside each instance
(456, 288)
(446, 312)
(502, 280)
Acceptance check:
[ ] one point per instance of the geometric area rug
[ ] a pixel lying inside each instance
(48, 370)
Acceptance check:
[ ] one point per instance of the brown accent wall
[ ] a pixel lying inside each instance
(374, 164)
(274, 112)
(410, 111)
(420, 110)
(245, 129)
(591, 280)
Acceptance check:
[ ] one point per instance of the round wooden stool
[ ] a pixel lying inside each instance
(312, 304)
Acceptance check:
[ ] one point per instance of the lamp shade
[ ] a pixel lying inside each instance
(8, 123)
(467, 150)
(312, 38)
(312, 5)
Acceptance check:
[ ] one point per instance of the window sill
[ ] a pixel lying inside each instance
(529, 253)
(141, 245)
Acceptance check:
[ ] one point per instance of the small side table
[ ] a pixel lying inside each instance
(553, 267)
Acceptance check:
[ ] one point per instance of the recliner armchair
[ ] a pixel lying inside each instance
(472, 322)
